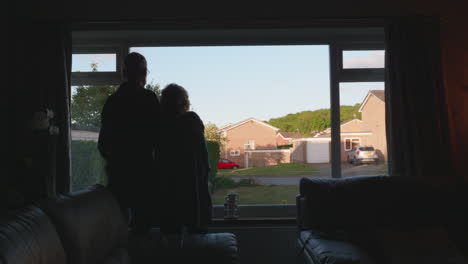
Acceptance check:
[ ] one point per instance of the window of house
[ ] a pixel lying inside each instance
(305, 82)
(249, 145)
(350, 143)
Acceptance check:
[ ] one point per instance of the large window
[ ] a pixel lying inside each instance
(251, 94)
(285, 104)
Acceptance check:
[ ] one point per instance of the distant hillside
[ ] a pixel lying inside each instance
(308, 121)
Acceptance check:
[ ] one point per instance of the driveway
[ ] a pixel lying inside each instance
(348, 170)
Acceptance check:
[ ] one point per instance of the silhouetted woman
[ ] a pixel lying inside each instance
(184, 164)
(127, 141)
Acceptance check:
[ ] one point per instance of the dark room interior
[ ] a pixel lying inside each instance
(412, 210)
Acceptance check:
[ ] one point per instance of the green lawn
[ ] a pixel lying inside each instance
(285, 169)
(260, 194)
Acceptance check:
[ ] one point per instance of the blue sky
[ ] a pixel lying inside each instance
(229, 84)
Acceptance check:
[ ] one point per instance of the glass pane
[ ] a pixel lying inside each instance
(94, 62)
(363, 134)
(248, 95)
(360, 59)
(86, 107)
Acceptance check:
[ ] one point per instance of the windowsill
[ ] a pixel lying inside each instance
(258, 213)
(254, 221)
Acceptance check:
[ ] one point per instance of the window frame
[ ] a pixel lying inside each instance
(99, 78)
(293, 34)
(338, 75)
(351, 142)
(237, 153)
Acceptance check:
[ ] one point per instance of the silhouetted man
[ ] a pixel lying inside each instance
(127, 141)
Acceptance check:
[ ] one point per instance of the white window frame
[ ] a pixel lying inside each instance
(342, 35)
(99, 78)
(351, 140)
(250, 145)
(337, 75)
(234, 153)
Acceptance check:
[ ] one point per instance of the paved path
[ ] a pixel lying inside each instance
(324, 172)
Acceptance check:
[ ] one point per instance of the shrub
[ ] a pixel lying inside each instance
(245, 182)
(87, 165)
(213, 158)
(222, 182)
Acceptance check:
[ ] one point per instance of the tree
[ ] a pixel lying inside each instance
(88, 101)
(87, 104)
(310, 122)
(155, 87)
(212, 133)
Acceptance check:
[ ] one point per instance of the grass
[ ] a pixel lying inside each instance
(260, 194)
(285, 169)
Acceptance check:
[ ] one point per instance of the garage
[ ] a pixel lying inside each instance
(311, 150)
(318, 151)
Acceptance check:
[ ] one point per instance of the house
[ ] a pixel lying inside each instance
(84, 135)
(369, 130)
(253, 143)
(286, 138)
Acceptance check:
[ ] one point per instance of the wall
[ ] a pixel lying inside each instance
(281, 141)
(373, 117)
(261, 159)
(272, 244)
(454, 41)
(263, 136)
(141, 10)
(298, 152)
(84, 135)
(355, 125)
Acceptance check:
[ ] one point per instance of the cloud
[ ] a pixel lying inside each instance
(373, 59)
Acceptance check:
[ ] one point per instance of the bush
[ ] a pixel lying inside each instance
(285, 146)
(221, 182)
(245, 182)
(87, 165)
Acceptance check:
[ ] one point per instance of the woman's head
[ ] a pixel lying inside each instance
(174, 99)
(135, 68)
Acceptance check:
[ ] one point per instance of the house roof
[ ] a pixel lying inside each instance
(380, 94)
(350, 121)
(231, 126)
(327, 132)
(290, 134)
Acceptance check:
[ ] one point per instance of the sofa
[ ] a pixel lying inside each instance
(82, 227)
(380, 219)
(88, 227)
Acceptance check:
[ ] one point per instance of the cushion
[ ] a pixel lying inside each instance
(28, 236)
(420, 245)
(337, 248)
(90, 224)
(197, 248)
(361, 202)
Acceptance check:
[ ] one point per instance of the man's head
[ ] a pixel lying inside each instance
(135, 68)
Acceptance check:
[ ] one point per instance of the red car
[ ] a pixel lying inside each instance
(227, 164)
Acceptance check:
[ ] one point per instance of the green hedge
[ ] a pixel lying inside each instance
(87, 165)
(213, 157)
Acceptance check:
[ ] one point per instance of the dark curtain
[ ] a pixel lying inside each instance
(417, 120)
(39, 59)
